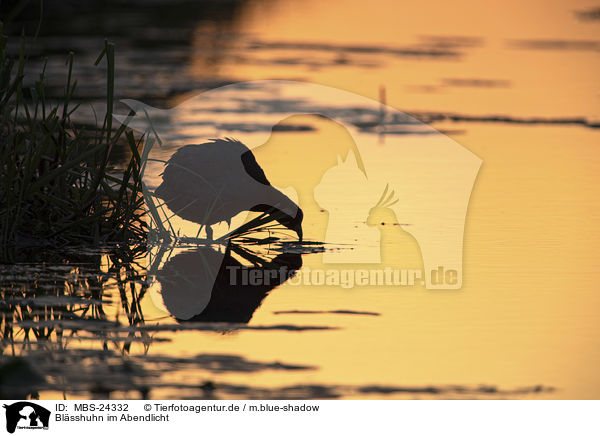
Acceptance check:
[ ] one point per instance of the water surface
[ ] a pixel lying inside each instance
(517, 86)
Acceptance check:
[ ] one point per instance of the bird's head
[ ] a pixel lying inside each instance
(293, 223)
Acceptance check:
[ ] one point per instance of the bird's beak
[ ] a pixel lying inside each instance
(299, 232)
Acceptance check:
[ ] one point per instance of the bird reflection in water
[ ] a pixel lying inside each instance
(205, 285)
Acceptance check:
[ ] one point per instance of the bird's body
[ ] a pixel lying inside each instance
(212, 182)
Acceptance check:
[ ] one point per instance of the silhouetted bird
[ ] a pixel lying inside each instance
(212, 182)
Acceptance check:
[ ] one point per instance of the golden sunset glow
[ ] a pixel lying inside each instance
(503, 97)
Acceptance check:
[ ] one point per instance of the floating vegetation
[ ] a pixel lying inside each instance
(588, 14)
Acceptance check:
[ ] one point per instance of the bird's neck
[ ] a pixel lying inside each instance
(276, 200)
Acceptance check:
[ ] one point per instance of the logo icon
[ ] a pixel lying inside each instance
(26, 415)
